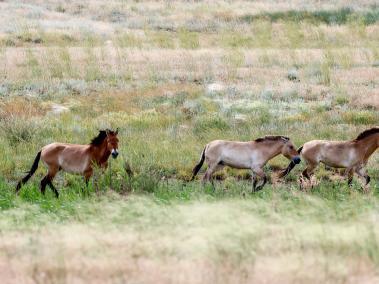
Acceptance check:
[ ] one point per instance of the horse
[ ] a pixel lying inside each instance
(352, 155)
(251, 155)
(74, 158)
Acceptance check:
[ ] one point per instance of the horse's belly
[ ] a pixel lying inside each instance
(237, 162)
(75, 167)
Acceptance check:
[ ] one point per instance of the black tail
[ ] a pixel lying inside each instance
(197, 168)
(290, 166)
(30, 173)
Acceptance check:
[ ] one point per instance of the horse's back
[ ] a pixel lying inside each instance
(56, 147)
(220, 145)
(227, 143)
(324, 144)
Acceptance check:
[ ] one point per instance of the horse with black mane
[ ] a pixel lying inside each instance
(74, 158)
(352, 155)
(251, 155)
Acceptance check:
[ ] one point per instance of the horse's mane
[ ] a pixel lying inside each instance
(99, 138)
(367, 133)
(272, 138)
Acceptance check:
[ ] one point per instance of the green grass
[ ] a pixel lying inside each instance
(329, 17)
(339, 201)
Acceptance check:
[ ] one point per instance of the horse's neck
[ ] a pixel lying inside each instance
(100, 154)
(368, 146)
(274, 149)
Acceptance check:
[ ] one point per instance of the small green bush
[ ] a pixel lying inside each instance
(207, 123)
(17, 129)
(361, 117)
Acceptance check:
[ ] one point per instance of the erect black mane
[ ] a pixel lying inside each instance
(367, 133)
(98, 140)
(271, 138)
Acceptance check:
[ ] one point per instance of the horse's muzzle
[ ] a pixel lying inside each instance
(114, 154)
(296, 160)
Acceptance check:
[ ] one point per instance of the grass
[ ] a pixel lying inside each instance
(329, 17)
(173, 76)
(124, 228)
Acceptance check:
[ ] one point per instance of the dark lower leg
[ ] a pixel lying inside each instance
(350, 180)
(44, 182)
(305, 174)
(53, 188)
(349, 173)
(255, 180)
(258, 188)
(87, 176)
(363, 174)
(86, 179)
(367, 179)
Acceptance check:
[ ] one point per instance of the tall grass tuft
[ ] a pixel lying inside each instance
(16, 129)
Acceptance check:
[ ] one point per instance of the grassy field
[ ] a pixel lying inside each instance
(173, 75)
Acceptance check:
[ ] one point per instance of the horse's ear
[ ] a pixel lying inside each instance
(107, 132)
(116, 131)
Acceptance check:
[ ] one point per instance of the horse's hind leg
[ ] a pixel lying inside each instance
(53, 188)
(262, 175)
(209, 172)
(47, 180)
(307, 174)
(44, 182)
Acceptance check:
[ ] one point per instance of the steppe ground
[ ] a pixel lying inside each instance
(173, 75)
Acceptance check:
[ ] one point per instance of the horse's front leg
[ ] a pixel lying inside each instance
(349, 173)
(262, 175)
(87, 175)
(254, 180)
(361, 171)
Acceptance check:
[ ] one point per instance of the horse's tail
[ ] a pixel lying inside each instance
(30, 173)
(197, 168)
(290, 166)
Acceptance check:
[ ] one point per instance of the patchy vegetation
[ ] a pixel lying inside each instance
(173, 76)
(330, 17)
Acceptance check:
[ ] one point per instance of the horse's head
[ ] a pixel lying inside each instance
(112, 142)
(289, 151)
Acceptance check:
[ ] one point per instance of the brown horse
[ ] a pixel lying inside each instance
(74, 158)
(251, 155)
(351, 155)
